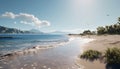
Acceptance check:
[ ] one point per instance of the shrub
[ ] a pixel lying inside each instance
(91, 54)
(112, 56)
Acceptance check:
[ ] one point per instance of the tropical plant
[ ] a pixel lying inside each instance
(112, 56)
(101, 30)
(91, 54)
(111, 29)
(88, 32)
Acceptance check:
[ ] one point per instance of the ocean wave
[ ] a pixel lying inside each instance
(32, 49)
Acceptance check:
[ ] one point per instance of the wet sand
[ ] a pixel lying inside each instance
(61, 57)
(101, 43)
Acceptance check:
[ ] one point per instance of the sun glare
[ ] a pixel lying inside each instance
(83, 2)
(86, 2)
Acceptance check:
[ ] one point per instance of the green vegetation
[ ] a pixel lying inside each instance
(91, 54)
(111, 29)
(112, 56)
(88, 32)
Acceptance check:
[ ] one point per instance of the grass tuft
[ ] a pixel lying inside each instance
(91, 54)
(112, 55)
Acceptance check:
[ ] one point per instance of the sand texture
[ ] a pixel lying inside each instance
(101, 43)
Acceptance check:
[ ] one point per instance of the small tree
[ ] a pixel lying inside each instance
(111, 29)
(101, 30)
(87, 32)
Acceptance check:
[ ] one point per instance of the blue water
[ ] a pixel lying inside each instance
(19, 42)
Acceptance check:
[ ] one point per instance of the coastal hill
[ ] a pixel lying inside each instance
(6, 30)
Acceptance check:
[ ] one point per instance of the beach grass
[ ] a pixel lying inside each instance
(112, 55)
(91, 54)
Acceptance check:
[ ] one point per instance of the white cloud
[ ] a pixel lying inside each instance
(44, 23)
(9, 15)
(27, 19)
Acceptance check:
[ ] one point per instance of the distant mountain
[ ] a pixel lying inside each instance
(59, 32)
(5, 30)
(11, 30)
(36, 31)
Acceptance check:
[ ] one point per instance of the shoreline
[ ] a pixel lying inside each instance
(101, 43)
(65, 56)
(33, 49)
(62, 57)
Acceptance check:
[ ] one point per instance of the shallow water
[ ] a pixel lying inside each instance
(61, 57)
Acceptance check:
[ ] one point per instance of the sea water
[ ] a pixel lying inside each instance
(16, 42)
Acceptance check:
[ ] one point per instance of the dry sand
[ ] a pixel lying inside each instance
(101, 43)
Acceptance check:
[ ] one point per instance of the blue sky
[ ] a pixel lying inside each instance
(58, 15)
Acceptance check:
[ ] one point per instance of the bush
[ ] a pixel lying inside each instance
(109, 29)
(112, 56)
(88, 32)
(91, 55)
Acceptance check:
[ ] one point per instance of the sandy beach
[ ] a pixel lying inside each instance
(64, 56)
(101, 43)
